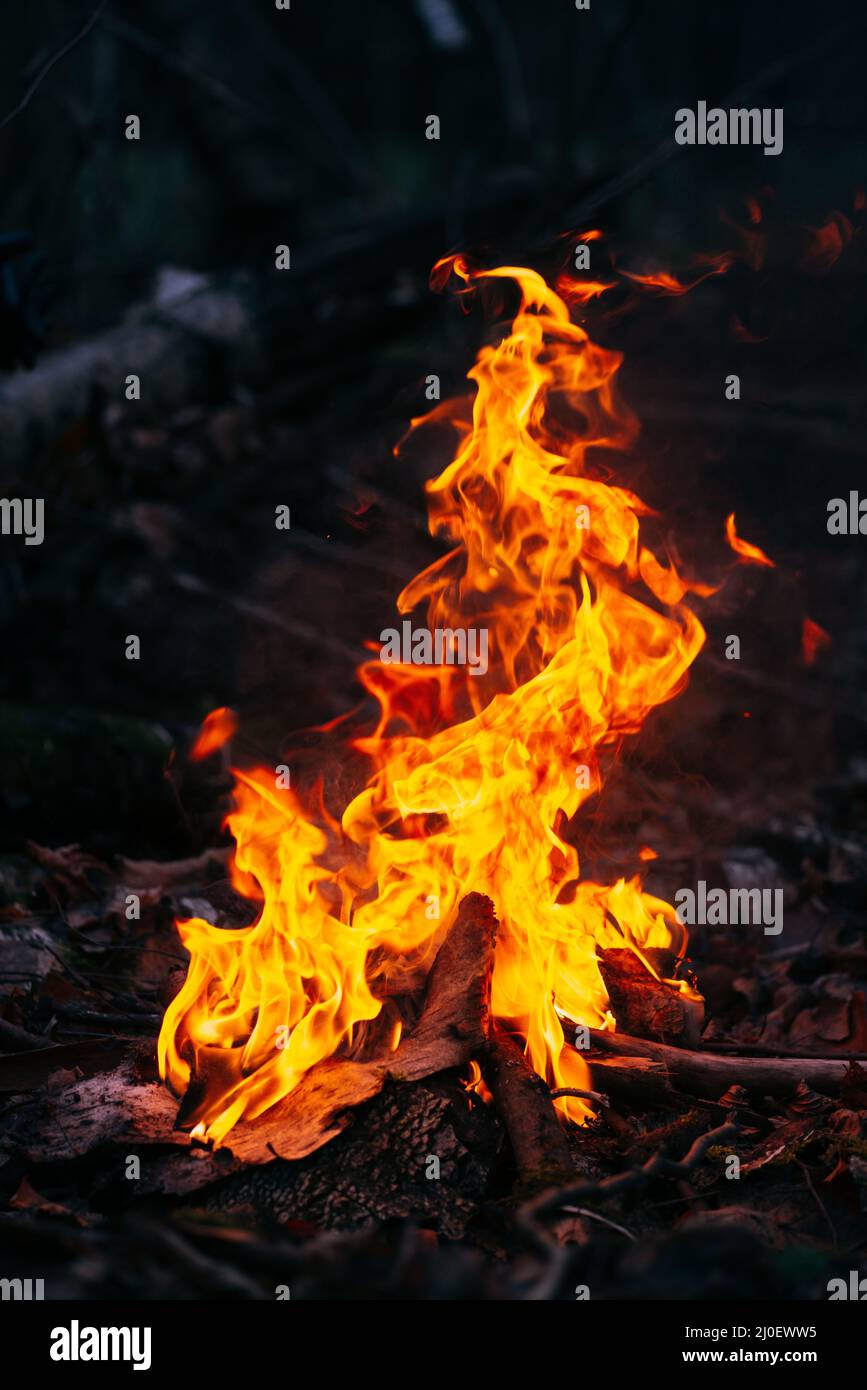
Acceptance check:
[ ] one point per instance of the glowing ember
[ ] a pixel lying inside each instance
(474, 780)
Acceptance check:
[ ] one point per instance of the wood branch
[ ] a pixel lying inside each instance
(657, 1165)
(524, 1103)
(710, 1075)
(635, 1081)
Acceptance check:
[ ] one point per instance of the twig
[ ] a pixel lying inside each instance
(44, 71)
(79, 1013)
(191, 584)
(64, 965)
(819, 1203)
(339, 133)
(658, 1165)
(710, 1074)
(507, 60)
(598, 1096)
(603, 1220)
(206, 80)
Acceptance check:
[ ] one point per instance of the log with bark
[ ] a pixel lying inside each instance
(644, 1004)
(524, 1102)
(654, 1069)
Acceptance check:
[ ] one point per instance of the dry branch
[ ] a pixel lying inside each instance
(707, 1074)
(658, 1165)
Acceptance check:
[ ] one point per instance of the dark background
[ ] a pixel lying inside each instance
(307, 127)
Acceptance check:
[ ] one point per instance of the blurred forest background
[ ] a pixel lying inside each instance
(261, 124)
(307, 127)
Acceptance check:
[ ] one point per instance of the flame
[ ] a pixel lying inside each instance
(476, 779)
(217, 728)
(476, 1083)
(666, 283)
(749, 554)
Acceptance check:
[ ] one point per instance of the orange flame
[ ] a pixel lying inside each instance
(476, 1083)
(217, 728)
(749, 554)
(666, 283)
(477, 776)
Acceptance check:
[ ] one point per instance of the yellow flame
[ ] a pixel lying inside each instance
(474, 778)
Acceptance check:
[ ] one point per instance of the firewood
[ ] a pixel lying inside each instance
(455, 1021)
(524, 1103)
(452, 1030)
(644, 1006)
(708, 1074)
(113, 1107)
(635, 1082)
(380, 1167)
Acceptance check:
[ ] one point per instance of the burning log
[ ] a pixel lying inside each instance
(452, 1030)
(455, 1022)
(645, 1006)
(524, 1103)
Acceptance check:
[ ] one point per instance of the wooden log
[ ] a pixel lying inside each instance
(455, 1022)
(635, 1082)
(644, 1006)
(709, 1074)
(524, 1103)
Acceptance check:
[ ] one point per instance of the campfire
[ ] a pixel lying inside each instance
(433, 813)
(428, 1001)
(477, 775)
